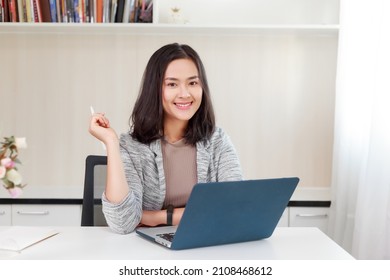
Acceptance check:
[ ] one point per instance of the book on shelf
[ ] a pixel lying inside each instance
(4, 15)
(36, 11)
(12, 11)
(69, 10)
(45, 10)
(106, 11)
(19, 7)
(63, 12)
(79, 11)
(119, 12)
(99, 11)
(113, 10)
(88, 11)
(29, 14)
(59, 10)
(53, 10)
(126, 11)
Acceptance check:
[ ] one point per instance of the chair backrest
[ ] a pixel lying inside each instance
(94, 184)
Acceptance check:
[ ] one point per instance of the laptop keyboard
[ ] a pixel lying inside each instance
(167, 236)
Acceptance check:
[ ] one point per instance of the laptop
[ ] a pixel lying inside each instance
(226, 212)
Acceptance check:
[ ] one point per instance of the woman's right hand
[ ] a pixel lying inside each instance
(100, 128)
(116, 184)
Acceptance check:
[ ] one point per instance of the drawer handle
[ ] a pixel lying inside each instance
(33, 212)
(2, 213)
(312, 215)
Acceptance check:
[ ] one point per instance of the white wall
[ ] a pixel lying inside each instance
(249, 11)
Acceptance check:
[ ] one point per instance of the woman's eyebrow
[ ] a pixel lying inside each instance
(171, 78)
(176, 79)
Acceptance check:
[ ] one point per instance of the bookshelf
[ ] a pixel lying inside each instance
(254, 17)
(231, 14)
(271, 67)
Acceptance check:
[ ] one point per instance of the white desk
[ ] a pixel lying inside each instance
(93, 243)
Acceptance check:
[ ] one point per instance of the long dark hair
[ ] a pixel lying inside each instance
(146, 121)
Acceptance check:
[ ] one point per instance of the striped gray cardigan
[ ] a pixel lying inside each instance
(216, 161)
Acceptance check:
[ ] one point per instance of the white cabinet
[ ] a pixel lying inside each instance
(40, 215)
(46, 215)
(283, 222)
(309, 217)
(5, 215)
(305, 217)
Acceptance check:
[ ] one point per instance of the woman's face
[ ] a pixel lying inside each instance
(182, 91)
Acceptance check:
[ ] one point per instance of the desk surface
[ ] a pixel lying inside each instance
(92, 243)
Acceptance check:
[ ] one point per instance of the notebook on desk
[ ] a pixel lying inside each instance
(226, 212)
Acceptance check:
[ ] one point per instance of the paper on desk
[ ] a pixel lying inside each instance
(17, 238)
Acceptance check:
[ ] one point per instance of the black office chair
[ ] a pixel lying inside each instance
(94, 184)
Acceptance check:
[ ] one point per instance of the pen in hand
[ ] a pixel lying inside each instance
(93, 112)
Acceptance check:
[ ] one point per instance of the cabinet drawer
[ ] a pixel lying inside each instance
(309, 217)
(283, 222)
(5, 215)
(46, 215)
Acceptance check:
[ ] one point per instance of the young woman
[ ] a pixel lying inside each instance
(172, 144)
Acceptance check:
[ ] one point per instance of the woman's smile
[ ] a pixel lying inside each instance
(183, 106)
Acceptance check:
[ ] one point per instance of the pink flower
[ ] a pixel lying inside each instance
(7, 163)
(9, 176)
(15, 192)
(14, 177)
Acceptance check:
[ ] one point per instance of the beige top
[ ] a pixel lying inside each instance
(179, 160)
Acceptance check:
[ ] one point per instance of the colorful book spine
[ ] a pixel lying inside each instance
(13, 11)
(36, 11)
(69, 10)
(1, 11)
(53, 10)
(19, 4)
(76, 7)
(29, 12)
